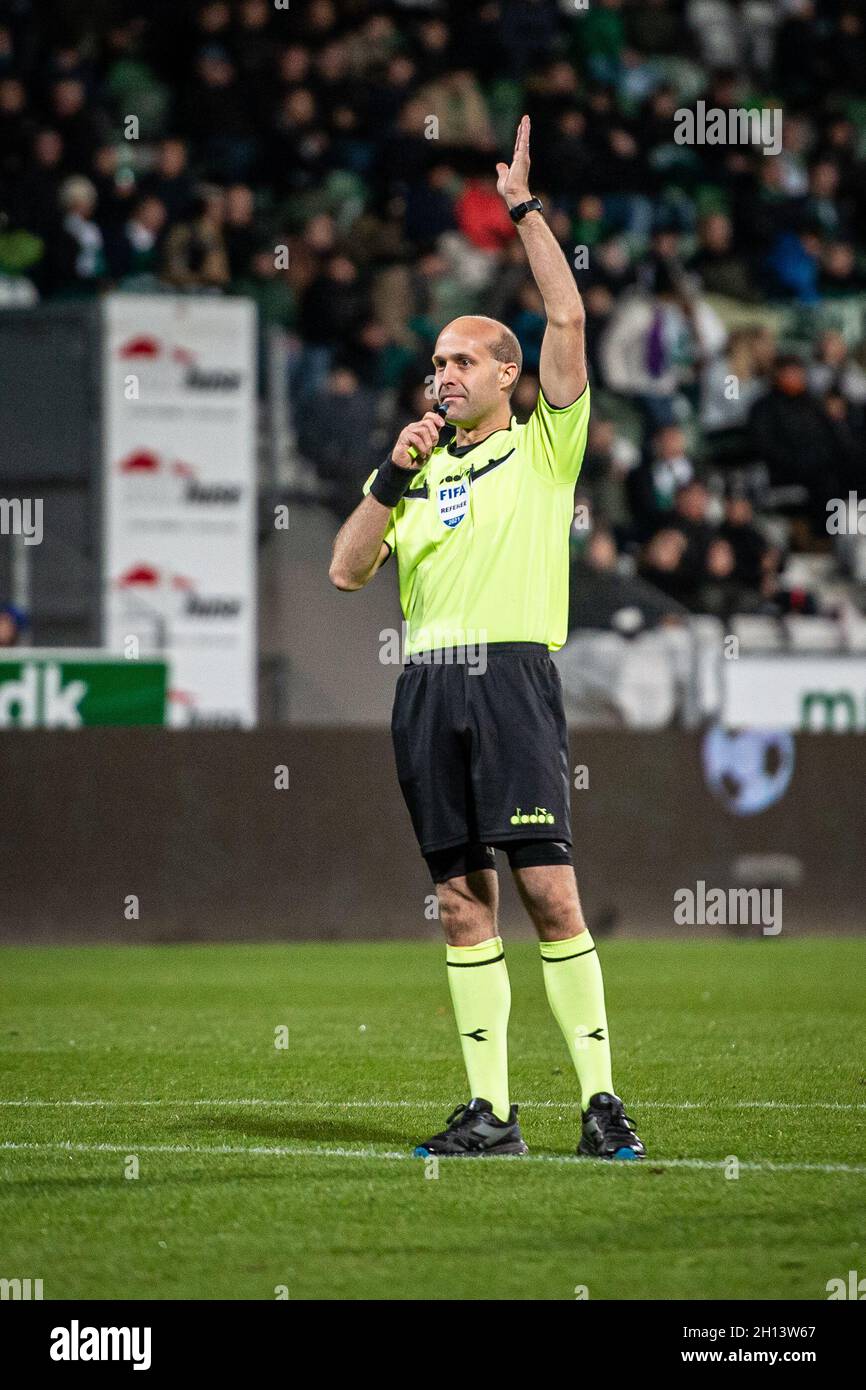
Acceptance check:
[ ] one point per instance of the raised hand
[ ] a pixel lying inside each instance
(512, 180)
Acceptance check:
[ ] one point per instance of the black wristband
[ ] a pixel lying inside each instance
(391, 482)
(519, 211)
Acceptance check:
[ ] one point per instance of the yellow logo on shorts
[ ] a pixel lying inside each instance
(540, 816)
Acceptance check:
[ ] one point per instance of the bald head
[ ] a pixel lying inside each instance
(477, 363)
(497, 337)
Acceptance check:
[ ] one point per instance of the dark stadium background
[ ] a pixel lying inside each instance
(333, 164)
(230, 232)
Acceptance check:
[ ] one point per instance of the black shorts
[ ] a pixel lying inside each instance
(482, 754)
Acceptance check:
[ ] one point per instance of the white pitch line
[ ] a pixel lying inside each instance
(717, 1165)
(30, 1103)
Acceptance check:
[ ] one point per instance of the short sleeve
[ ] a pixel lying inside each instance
(390, 536)
(557, 437)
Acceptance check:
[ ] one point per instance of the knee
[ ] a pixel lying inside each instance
(556, 916)
(554, 908)
(465, 919)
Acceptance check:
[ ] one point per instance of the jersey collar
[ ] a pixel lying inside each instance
(460, 451)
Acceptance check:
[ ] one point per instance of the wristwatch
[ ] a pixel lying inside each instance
(519, 211)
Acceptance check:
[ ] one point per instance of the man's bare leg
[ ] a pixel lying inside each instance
(572, 973)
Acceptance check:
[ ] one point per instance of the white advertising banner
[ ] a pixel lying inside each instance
(179, 505)
(814, 694)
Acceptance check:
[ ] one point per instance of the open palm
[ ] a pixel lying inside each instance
(512, 180)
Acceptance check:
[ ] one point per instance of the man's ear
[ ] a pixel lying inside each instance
(508, 374)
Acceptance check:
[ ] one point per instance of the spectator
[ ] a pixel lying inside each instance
(676, 558)
(719, 592)
(12, 624)
(834, 369)
(722, 270)
(730, 385)
(482, 216)
(793, 434)
(460, 108)
(754, 557)
(82, 127)
(36, 198)
(271, 289)
(239, 231)
(839, 273)
(660, 562)
(195, 251)
(334, 304)
(331, 312)
(334, 432)
(430, 204)
(653, 485)
(691, 518)
(608, 461)
(602, 598)
(169, 181)
(793, 265)
(115, 187)
(81, 264)
(15, 127)
(134, 249)
(217, 116)
(528, 321)
(254, 41)
(656, 341)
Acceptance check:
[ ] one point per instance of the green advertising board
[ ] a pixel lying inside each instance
(56, 688)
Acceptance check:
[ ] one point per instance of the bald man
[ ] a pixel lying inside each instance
(478, 517)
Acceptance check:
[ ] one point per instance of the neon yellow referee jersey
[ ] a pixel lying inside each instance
(481, 537)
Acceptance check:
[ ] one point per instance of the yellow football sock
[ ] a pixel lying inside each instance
(481, 995)
(575, 992)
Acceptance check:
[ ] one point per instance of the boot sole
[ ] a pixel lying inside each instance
(625, 1153)
(514, 1148)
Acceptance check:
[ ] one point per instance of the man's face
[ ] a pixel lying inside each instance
(151, 214)
(791, 379)
(739, 511)
(670, 443)
(239, 204)
(717, 232)
(68, 97)
(172, 158)
(468, 376)
(691, 502)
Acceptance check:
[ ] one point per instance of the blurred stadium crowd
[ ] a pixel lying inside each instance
(335, 162)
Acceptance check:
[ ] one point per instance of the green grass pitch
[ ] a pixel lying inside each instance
(263, 1168)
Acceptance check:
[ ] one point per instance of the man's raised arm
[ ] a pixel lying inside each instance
(563, 349)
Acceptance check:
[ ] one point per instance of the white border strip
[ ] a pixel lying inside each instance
(716, 1165)
(26, 1102)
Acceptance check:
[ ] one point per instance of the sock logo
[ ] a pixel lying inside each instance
(596, 1033)
(478, 1035)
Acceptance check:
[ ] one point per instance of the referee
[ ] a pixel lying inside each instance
(479, 526)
